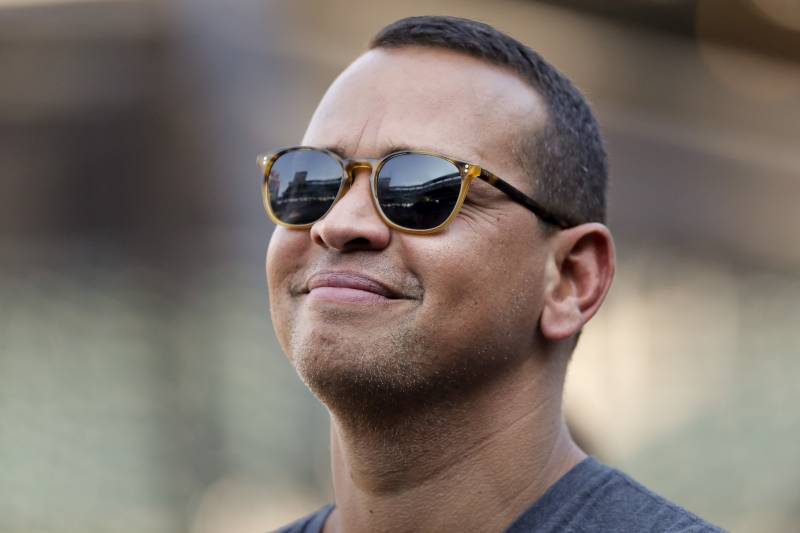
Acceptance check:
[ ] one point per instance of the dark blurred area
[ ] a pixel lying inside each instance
(141, 386)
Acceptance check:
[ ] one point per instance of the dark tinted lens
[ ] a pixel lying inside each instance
(302, 185)
(418, 191)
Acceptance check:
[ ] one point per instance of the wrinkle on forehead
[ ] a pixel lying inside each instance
(361, 132)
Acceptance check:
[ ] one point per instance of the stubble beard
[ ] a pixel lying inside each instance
(379, 381)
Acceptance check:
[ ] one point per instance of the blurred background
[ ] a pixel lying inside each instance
(141, 386)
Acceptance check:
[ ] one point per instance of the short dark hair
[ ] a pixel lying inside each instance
(566, 157)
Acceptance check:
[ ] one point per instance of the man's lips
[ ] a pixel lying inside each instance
(349, 287)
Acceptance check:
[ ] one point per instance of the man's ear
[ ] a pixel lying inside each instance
(578, 275)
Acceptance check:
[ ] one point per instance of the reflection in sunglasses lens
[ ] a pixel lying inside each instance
(303, 185)
(418, 191)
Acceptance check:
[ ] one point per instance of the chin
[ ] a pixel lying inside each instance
(385, 382)
(346, 378)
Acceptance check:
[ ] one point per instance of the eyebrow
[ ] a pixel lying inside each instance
(336, 149)
(339, 150)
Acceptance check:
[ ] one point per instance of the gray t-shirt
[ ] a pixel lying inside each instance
(591, 497)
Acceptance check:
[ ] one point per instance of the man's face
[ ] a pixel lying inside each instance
(463, 304)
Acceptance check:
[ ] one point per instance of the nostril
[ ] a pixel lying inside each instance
(359, 243)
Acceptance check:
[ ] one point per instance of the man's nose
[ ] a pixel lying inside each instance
(353, 223)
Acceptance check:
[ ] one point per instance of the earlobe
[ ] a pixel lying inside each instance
(579, 273)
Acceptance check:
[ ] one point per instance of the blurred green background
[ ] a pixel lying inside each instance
(141, 386)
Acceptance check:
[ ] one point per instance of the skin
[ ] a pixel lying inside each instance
(445, 400)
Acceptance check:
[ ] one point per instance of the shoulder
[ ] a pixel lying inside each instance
(308, 524)
(594, 497)
(626, 501)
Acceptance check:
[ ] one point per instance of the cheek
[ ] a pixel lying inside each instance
(275, 262)
(285, 254)
(487, 290)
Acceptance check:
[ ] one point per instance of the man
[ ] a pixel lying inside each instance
(431, 299)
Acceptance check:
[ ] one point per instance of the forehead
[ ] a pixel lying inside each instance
(426, 98)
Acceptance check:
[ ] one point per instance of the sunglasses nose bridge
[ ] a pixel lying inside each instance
(353, 167)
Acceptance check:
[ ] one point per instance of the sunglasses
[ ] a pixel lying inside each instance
(414, 192)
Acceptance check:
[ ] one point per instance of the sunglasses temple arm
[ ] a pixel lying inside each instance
(525, 200)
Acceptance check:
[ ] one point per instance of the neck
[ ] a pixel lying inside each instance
(474, 464)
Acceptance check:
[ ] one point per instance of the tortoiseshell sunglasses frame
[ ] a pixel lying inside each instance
(469, 172)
